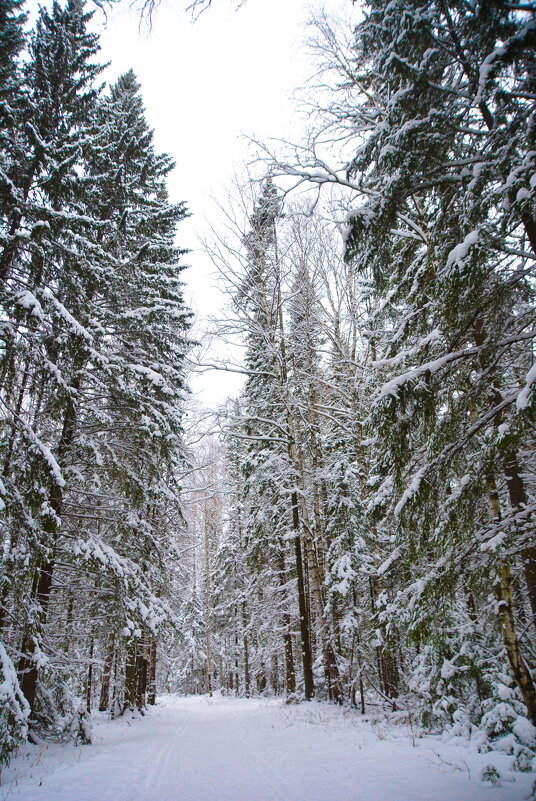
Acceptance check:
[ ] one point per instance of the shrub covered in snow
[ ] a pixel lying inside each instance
(491, 774)
(14, 710)
(81, 727)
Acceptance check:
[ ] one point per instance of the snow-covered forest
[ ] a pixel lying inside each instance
(352, 533)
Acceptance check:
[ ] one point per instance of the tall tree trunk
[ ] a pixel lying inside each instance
(281, 370)
(305, 643)
(207, 603)
(89, 682)
(386, 653)
(28, 667)
(518, 668)
(246, 651)
(130, 676)
(151, 686)
(315, 567)
(141, 672)
(236, 674)
(502, 588)
(106, 676)
(518, 502)
(290, 672)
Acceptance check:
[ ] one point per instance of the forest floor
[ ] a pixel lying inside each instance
(227, 749)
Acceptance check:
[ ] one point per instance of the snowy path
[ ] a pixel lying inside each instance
(223, 749)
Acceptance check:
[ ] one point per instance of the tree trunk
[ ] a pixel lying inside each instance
(130, 676)
(386, 653)
(246, 651)
(151, 687)
(106, 676)
(28, 667)
(502, 588)
(282, 373)
(89, 682)
(308, 681)
(208, 526)
(141, 673)
(290, 671)
(518, 501)
(518, 668)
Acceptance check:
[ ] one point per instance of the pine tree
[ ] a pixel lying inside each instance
(36, 303)
(141, 365)
(444, 233)
(93, 386)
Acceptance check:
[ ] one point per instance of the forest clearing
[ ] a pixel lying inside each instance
(228, 749)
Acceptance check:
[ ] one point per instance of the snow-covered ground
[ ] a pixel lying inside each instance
(226, 749)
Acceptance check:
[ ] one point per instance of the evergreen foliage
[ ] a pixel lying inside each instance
(94, 339)
(363, 530)
(392, 391)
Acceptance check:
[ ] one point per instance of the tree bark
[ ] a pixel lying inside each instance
(207, 602)
(246, 652)
(151, 687)
(308, 681)
(388, 673)
(290, 671)
(518, 501)
(106, 676)
(27, 668)
(518, 668)
(141, 673)
(130, 676)
(502, 588)
(89, 682)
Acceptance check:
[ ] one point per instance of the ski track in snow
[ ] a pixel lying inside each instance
(227, 749)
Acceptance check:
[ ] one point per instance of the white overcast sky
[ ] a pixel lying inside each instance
(205, 84)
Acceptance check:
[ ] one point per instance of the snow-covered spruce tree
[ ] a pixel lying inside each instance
(436, 105)
(13, 101)
(146, 322)
(444, 106)
(91, 462)
(270, 468)
(206, 654)
(13, 707)
(132, 397)
(305, 256)
(351, 542)
(38, 358)
(234, 597)
(272, 525)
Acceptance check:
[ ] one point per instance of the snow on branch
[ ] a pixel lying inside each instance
(429, 368)
(523, 398)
